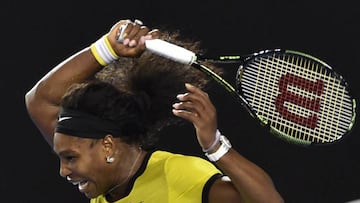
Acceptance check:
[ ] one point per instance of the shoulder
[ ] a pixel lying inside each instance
(174, 159)
(187, 165)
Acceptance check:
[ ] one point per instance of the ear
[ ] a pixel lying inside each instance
(108, 143)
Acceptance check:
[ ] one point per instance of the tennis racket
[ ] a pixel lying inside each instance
(298, 97)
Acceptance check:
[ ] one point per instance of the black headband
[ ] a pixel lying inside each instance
(80, 124)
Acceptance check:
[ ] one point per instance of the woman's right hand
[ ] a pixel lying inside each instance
(132, 37)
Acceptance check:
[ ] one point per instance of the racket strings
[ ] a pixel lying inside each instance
(328, 94)
(329, 120)
(296, 107)
(337, 86)
(260, 84)
(325, 102)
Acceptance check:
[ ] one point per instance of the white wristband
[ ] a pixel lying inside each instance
(223, 149)
(217, 138)
(103, 52)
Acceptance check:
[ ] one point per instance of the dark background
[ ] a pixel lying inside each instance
(36, 36)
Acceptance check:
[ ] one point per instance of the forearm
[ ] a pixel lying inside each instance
(54, 84)
(87, 62)
(42, 101)
(253, 183)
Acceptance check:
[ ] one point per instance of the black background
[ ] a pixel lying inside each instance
(35, 36)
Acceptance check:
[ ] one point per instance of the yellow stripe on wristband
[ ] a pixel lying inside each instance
(108, 45)
(97, 55)
(103, 51)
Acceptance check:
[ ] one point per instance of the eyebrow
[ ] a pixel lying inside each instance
(64, 153)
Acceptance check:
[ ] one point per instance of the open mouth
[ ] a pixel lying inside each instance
(82, 185)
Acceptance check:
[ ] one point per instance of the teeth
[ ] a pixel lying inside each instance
(82, 185)
(75, 183)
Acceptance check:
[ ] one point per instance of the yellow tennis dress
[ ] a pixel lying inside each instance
(169, 178)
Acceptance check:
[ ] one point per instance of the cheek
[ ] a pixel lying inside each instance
(95, 169)
(95, 165)
(97, 175)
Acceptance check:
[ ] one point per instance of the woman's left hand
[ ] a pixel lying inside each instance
(196, 107)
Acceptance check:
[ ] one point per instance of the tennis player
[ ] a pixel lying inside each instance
(102, 109)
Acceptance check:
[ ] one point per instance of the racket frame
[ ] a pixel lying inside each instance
(237, 93)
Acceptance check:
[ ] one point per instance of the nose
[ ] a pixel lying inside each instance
(64, 170)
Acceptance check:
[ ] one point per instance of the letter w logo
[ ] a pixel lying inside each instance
(285, 95)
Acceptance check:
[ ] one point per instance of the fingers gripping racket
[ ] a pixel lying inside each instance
(298, 97)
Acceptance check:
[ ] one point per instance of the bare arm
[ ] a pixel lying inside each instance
(249, 183)
(42, 101)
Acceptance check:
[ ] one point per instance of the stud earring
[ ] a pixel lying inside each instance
(110, 159)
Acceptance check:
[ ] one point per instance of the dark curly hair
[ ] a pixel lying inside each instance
(138, 93)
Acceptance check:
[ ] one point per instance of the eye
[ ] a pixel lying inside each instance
(70, 158)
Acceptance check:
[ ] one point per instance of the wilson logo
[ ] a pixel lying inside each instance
(302, 99)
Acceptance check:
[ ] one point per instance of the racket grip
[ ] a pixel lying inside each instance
(170, 51)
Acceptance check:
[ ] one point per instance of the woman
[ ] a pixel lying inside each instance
(101, 110)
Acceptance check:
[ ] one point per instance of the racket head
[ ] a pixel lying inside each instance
(300, 98)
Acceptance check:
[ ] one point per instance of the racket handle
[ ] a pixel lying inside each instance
(170, 51)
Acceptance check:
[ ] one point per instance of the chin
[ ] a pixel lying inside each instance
(91, 196)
